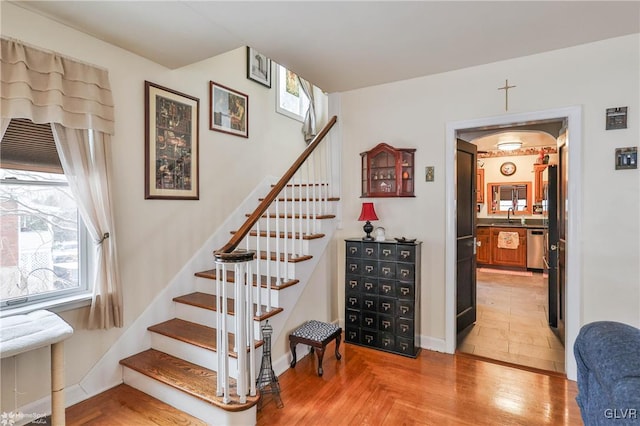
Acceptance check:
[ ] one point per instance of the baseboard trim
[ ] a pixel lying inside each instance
(433, 344)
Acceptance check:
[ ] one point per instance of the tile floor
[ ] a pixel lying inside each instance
(511, 323)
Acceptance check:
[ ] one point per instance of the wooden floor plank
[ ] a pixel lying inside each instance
(378, 388)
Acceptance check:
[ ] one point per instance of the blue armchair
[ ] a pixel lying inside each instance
(608, 358)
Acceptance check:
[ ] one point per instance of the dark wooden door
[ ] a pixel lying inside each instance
(551, 248)
(466, 164)
(563, 217)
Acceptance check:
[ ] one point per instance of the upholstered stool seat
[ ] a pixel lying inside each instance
(315, 334)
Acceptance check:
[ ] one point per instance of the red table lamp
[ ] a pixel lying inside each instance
(368, 214)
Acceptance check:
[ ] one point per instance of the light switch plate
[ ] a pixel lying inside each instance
(627, 158)
(429, 173)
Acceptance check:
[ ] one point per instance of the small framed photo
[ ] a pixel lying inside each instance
(258, 67)
(229, 110)
(171, 144)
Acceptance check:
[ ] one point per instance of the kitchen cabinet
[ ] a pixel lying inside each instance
(382, 295)
(515, 257)
(483, 251)
(388, 172)
(480, 186)
(538, 183)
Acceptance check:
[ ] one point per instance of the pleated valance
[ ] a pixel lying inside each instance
(46, 87)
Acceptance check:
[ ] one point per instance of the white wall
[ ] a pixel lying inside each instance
(155, 237)
(414, 114)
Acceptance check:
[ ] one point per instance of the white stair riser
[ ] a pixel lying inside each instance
(319, 225)
(286, 271)
(206, 317)
(208, 413)
(297, 249)
(206, 285)
(188, 352)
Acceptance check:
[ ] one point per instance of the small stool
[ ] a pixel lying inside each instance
(315, 334)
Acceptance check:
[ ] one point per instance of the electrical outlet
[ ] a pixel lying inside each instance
(428, 173)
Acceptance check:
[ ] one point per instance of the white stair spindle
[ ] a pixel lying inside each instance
(224, 353)
(268, 273)
(250, 331)
(285, 250)
(241, 338)
(308, 210)
(258, 263)
(219, 284)
(300, 215)
(314, 181)
(278, 276)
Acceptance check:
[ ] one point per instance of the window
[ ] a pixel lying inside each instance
(42, 238)
(290, 98)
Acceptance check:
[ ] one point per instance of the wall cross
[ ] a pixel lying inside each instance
(506, 88)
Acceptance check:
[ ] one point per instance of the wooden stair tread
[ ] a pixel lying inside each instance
(209, 301)
(194, 334)
(304, 199)
(296, 216)
(273, 256)
(211, 274)
(289, 185)
(190, 378)
(296, 235)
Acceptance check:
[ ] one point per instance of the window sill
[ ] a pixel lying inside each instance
(58, 305)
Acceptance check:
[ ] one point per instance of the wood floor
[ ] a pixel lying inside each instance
(512, 322)
(376, 388)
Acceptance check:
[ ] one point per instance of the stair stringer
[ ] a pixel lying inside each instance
(107, 372)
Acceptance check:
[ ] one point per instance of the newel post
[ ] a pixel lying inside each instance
(240, 262)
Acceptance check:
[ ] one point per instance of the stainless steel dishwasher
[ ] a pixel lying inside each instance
(535, 248)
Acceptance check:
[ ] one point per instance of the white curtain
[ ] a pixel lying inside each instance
(76, 99)
(85, 157)
(309, 124)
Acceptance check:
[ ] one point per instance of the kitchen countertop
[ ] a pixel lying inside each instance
(533, 224)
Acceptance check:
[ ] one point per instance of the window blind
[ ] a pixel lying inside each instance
(29, 146)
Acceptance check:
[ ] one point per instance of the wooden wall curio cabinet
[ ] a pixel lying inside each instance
(388, 172)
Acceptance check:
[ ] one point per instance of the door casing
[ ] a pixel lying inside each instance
(574, 265)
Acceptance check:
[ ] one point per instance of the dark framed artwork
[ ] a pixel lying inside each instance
(171, 144)
(228, 110)
(258, 67)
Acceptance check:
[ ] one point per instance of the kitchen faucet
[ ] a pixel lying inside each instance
(509, 211)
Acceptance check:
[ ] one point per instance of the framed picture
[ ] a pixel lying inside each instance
(258, 67)
(229, 110)
(171, 144)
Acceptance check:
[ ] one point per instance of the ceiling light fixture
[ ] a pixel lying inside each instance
(509, 146)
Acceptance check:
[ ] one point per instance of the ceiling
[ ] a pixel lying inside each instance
(340, 46)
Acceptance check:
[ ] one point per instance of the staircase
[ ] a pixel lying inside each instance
(204, 360)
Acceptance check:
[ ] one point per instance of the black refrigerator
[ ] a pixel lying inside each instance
(550, 210)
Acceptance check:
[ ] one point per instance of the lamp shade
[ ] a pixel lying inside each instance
(368, 212)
